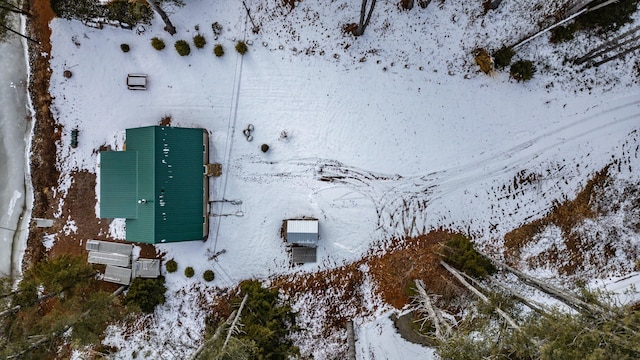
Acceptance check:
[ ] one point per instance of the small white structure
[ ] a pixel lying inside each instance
(302, 232)
(146, 268)
(43, 223)
(118, 275)
(109, 247)
(114, 259)
(302, 236)
(116, 256)
(137, 82)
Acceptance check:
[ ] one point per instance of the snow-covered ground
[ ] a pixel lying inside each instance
(389, 134)
(15, 130)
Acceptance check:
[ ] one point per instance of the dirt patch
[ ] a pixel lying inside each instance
(410, 259)
(44, 175)
(79, 205)
(79, 222)
(566, 216)
(342, 293)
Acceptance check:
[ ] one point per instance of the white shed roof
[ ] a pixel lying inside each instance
(302, 226)
(302, 232)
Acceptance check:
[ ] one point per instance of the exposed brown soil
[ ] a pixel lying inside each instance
(391, 271)
(79, 205)
(44, 175)
(566, 216)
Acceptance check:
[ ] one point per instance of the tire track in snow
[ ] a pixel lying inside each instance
(401, 202)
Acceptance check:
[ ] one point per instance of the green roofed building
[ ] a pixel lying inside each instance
(158, 184)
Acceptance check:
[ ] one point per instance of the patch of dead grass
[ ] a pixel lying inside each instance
(567, 216)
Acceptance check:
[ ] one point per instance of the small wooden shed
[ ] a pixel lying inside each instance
(303, 232)
(302, 236)
(303, 255)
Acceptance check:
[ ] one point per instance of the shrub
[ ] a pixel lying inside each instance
(264, 148)
(563, 33)
(522, 70)
(610, 17)
(129, 12)
(502, 57)
(183, 48)
(217, 29)
(199, 41)
(157, 43)
(484, 60)
(460, 253)
(172, 266)
(125, 47)
(74, 9)
(209, 275)
(218, 50)
(241, 47)
(188, 272)
(146, 293)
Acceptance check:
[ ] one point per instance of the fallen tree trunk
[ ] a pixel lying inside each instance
(560, 294)
(10, 311)
(482, 297)
(45, 338)
(363, 23)
(532, 304)
(215, 336)
(606, 47)
(167, 22)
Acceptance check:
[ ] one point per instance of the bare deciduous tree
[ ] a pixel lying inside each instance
(168, 26)
(364, 22)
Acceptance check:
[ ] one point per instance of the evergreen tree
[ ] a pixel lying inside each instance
(146, 294)
(460, 253)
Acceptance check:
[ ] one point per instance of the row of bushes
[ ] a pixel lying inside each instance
(172, 266)
(521, 70)
(183, 48)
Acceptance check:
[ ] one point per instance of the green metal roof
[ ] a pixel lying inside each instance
(118, 184)
(170, 186)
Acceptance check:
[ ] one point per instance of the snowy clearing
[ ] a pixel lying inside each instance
(390, 134)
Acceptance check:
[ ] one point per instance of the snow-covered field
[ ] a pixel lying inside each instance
(389, 134)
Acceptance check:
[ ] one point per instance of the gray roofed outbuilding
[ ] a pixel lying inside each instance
(146, 268)
(109, 247)
(118, 275)
(301, 254)
(97, 257)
